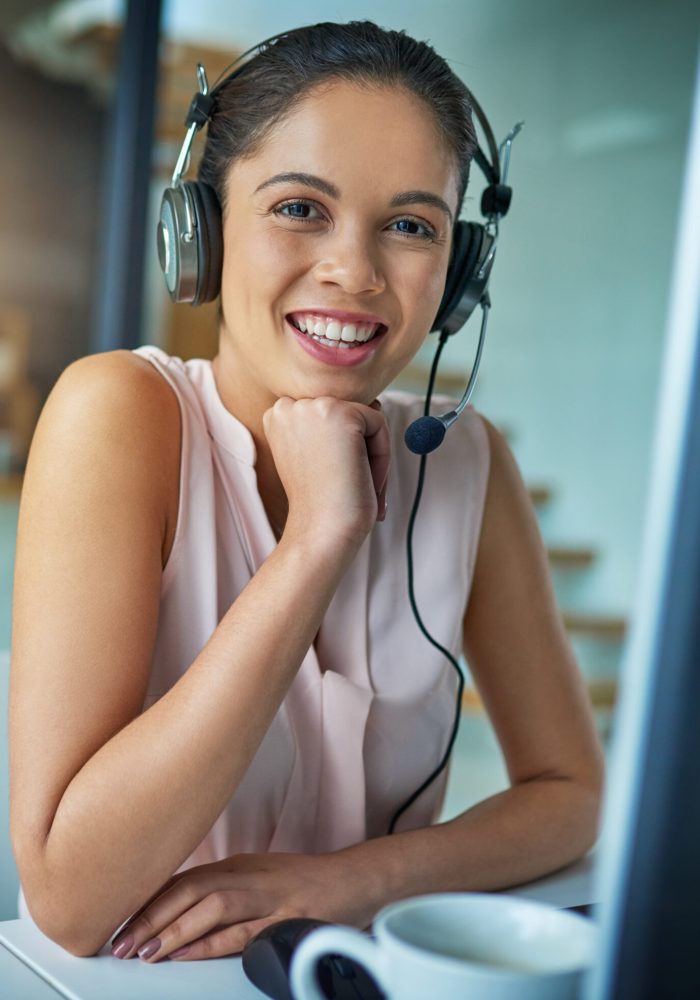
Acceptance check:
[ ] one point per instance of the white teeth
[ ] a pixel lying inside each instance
(333, 330)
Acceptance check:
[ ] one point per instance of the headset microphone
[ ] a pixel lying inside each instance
(427, 433)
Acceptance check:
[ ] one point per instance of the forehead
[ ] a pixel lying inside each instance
(358, 136)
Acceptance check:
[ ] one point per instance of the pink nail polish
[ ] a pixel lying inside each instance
(149, 948)
(179, 951)
(121, 950)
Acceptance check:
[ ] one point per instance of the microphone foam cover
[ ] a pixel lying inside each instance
(424, 435)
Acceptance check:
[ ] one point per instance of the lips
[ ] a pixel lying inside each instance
(342, 353)
(348, 328)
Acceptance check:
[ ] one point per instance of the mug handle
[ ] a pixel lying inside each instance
(335, 941)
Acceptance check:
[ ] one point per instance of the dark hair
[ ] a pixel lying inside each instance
(273, 82)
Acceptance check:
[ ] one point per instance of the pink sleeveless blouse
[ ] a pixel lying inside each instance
(369, 713)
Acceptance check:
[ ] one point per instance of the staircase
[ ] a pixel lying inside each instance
(597, 638)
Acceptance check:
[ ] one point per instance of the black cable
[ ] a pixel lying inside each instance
(409, 538)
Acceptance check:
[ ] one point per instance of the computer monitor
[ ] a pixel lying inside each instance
(649, 869)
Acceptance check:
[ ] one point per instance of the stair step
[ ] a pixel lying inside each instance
(10, 486)
(569, 556)
(596, 626)
(540, 495)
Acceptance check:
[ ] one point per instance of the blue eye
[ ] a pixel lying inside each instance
(427, 233)
(297, 210)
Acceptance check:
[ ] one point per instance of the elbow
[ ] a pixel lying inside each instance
(590, 821)
(589, 807)
(68, 939)
(75, 937)
(57, 921)
(60, 914)
(71, 935)
(596, 787)
(60, 904)
(579, 797)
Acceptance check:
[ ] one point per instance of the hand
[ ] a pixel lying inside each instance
(216, 909)
(332, 457)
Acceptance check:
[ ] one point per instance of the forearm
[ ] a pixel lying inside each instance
(518, 835)
(147, 798)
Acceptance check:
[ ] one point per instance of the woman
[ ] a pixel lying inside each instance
(215, 671)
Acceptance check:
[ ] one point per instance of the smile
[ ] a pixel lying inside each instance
(338, 348)
(334, 332)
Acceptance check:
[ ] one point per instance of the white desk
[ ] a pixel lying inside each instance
(32, 967)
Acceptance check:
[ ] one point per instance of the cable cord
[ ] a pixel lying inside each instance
(409, 555)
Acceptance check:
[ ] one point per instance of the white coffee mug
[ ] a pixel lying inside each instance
(479, 946)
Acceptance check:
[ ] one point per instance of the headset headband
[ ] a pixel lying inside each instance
(495, 200)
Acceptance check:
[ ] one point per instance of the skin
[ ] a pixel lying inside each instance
(351, 254)
(94, 847)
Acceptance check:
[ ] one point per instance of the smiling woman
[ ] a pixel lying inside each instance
(220, 696)
(297, 243)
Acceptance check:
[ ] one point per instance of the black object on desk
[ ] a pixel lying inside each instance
(268, 956)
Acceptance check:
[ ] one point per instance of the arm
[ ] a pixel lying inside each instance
(522, 663)
(95, 784)
(519, 655)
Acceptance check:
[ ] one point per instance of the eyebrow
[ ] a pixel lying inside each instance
(421, 198)
(307, 180)
(310, 180)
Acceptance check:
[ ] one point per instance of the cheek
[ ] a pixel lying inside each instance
(419, 283)
(261, 265)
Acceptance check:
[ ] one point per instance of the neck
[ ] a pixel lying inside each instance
(248, 407)
(241, 398)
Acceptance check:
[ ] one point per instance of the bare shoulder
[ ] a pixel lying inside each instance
(118, 381)
(504, 473)
(510, 541)
(110, 418)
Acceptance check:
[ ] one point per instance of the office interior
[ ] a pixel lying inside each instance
(579, 294)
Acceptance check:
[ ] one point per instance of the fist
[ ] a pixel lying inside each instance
(332, 457)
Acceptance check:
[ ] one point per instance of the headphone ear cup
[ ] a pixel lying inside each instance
(210, 244)
(466, 253)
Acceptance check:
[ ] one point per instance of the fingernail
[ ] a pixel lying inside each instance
(125, 944)
(385, 507)
(149, 948)
(179, 951)
(119, 936)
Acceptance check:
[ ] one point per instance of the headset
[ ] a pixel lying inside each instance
(190, 252)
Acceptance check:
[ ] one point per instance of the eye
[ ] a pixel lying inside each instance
(299, 211)
(412, 227)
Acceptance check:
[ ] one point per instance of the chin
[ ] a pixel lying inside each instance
(315, 387)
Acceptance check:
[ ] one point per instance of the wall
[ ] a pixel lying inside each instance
(53, 136)
(580, 287)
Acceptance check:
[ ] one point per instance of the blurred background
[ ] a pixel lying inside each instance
(579, 291)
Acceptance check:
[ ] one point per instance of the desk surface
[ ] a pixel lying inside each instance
(32, 967)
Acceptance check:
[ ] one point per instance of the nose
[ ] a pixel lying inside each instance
(350, 260)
